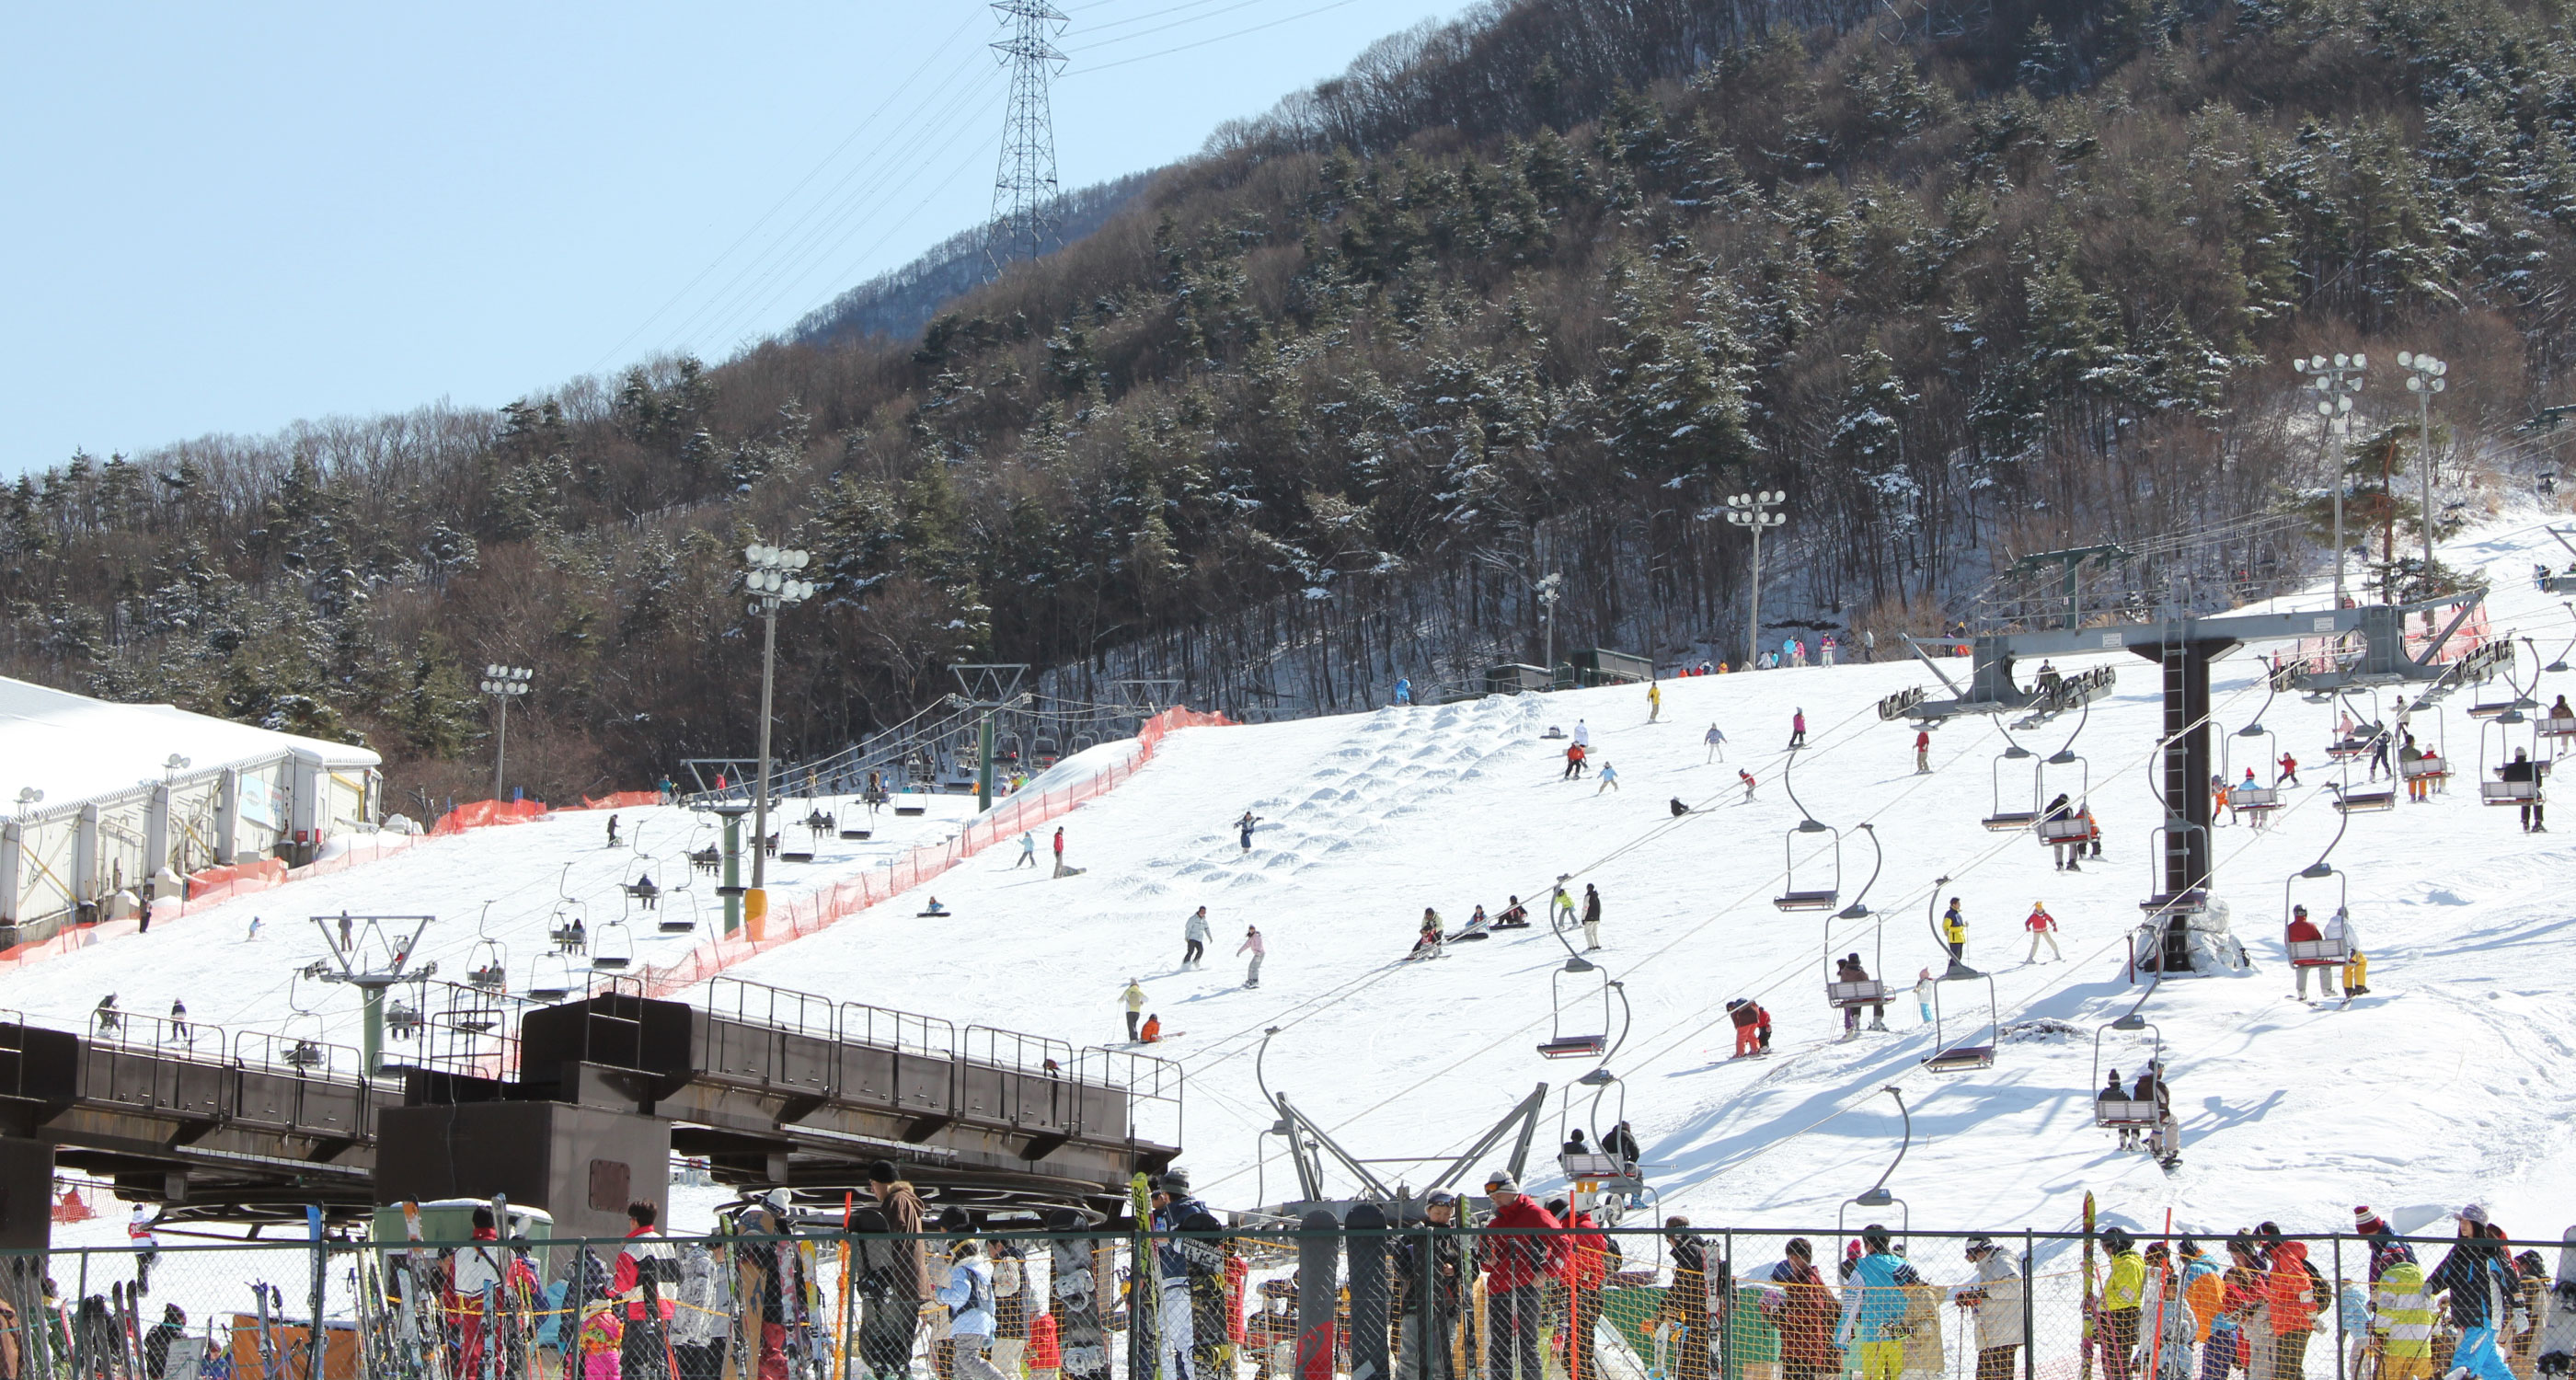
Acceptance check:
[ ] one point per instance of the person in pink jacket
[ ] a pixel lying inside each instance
(1252, 945)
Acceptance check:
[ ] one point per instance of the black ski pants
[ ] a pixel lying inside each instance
(886, 1331)
(643, 1352)
(1195, 950)
(1511, 1334)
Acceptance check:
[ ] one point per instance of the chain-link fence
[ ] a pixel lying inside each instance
(1406, 1302)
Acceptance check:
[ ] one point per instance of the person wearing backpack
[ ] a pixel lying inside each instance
(2296, 1295)
(969, 1296)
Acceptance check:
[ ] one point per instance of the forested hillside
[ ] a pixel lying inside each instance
(1523, 294)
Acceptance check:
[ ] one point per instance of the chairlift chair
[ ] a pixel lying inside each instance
(2327, 952)
(2495, 749)
(1808, 897)
(1969, 1052)
(1572, 1035)
(611, 947)
(2124, 1113)
(1044, 752)
(551, 979)
(1847, 995)
(2264, 747)
(489, 965)
(2433, 766)
(2004, 821)
(667, 917)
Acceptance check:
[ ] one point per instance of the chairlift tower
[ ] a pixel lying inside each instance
(371, 982)
(989, 687)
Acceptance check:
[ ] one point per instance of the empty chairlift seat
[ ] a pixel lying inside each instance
(2364, 802)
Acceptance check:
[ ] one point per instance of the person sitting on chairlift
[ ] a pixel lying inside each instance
(646, 892)
(1621, 1145)
(1575, 1144)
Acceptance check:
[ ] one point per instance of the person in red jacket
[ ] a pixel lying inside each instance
(1922, 751)
(645, 1280)
(1748, 1038)
(475, 1280)
(1588, 1260)
(1514, 1266)
(2293, 1293)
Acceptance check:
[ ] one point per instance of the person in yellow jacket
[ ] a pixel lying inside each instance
(1654, 702)
(2124, 1294)
(1954, 931)
(2401, 1320)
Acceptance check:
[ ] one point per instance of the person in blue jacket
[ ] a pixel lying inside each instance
(2474, 1275)
(1873, 1304)
(1404, 689)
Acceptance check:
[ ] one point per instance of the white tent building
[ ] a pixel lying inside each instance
(96, 796)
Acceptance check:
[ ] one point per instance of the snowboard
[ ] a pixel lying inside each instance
(1369, 1293)
(1317, 1234)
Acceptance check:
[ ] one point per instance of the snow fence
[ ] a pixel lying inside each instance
(823, 907)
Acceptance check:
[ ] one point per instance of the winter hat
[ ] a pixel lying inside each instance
(2190, 1249)
(2367, 1222)
(1175, 1180)
(1978, 1245)
(2117, 1238)
(2474, 1212)
(881, 1172)
(1501, 1181)
(1557, 1206)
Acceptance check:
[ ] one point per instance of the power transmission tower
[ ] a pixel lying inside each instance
(1024, 188)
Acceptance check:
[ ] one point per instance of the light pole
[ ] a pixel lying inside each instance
(1753, 513)
(503, 684)
(772, 587)
(2424, 378)
(1550, 588)
(2337, 379)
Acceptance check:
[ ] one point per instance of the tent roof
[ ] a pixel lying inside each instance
(76, 748)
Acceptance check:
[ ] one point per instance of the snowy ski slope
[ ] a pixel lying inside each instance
(2454, 1079)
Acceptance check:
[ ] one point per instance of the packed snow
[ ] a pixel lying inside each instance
(2453, 1079)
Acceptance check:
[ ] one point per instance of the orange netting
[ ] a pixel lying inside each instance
(475, 814)
(827, 906)
(620, 800)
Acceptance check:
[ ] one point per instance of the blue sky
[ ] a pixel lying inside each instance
(229, 217)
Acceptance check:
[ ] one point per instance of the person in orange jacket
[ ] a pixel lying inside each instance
(1589, 1258)
(2295, 1295)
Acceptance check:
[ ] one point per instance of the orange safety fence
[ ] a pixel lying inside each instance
(619, 800)
(475, 814)
(824, 907)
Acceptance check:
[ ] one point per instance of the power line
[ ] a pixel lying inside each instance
(1220, 38)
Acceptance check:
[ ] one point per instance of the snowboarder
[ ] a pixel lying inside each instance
(1869, 645)
(1747, 778)
(1059, 848)
(1426, 943)
(1560, 907)
(1591, 917)
(1798, 729)
(254, 930)
(1922, 752)
(1609, 779)
(1134, 998)
(612, 831)
(578, 939)
(1954, 932)
(934, 908)
(2289, 776)
(1404, 689)
(1575, 1144)
(1716, 740)
(1573, 762)
(2043, 929)
(1252, 945)
(2068, 854)
(178, 1021)
(1678, 808)
(1028, 849)
(1195, 937)
(1243, 827)
(1654, 702)
(106, 1016)
(2475, 1276)
(1621, 1145)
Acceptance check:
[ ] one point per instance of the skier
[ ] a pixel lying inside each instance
(348, 938)
(2522, 768)
(1744, 1014)
(1849, 969)
(179, 1021)
(1243, 827)
(138, 1234)
(1923, 994)
(1762, 1024)
(1922, 752)
(1252, 945)
(1589, 1259)
(2304, 930)
(1059, 849)
(254, 930)
(1716, 740)
(612, 831)
(1954, 932)
(647, 1272)
(1678, 808)
(1609, 779)
(1798, 729)
(2043, 929)
(1560, 907)
(580, 940)
(1195, 937)
(1829, 646)
(1591, 917)
(1028, 849)
(2123, 1295)
(1573, 762)
(1874, 1307)
(2289, 776)
(2474, 1275)
(1995, 1300)
(1404, 690)
(106, 1016)
(1654, 702)
(1747, 778)
(2356, 964)
(1134, 997)
(1527, 1252)
(1173, 1204)
(1575, 1144)
(1152, 1034)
